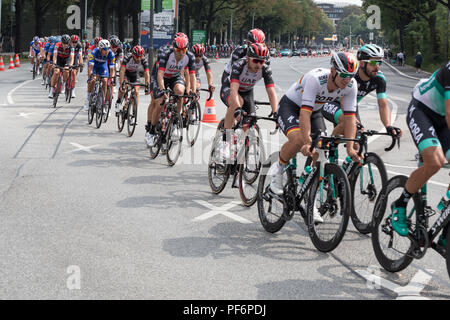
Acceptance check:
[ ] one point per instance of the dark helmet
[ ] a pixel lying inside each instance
(256, 36)
(115, 42)
(258, 51)
(65, 39)
(344, 62)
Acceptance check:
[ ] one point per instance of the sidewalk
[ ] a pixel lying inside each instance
(408, 71)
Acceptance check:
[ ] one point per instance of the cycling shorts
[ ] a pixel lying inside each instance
(168, 83)
(131, 76)
(332, 111)
(61, 62)
(101, 70)
(427, 128)
(249, 100)
(289, 117)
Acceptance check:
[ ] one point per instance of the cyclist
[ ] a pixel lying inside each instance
(36, 47)
(253, 36)
(202, 61)
(63, 55)
(130, 68)
(428, 119)
(95, 45)
(117, 49)
(171, 64)
(99, 61)
(299, 111)
(368, 78)
(46, 59)
(237, 90)
(78, 60)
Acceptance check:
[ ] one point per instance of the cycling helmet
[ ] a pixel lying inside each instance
(138, 51)
(180, 41)
(258, 51)
(256, 36)
(344, 62)
(370, 51)
(41, 39)
(97, 40)
(35, 39)
(198, 49)
(74, 38)
(104, 44)
(65, 39)
(112, 37)
(115, 42)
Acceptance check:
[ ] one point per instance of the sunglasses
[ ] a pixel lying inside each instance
(258, 61)
(374, 62)
(345, 75)
(199, 56)
(181, 50)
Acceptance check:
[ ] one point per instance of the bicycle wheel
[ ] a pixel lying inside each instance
(121, 116)
(447, 250)
(366, 182)
(56, 93)
(249, 170)
(174, 139)
(68, 88)
(154, 151)
(392, 251)
(193, 123)
(99, 109)
(218, 170)
(332, 201)
(91, 110)
(270, 205)
(34, 70)
(108, 102)
(132, 116)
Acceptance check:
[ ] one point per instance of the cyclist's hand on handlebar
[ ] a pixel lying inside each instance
(393, 131)
(305, 150)
(147, 89)
(211, 89)
(352, 153)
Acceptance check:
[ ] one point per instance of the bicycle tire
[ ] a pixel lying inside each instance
(132, 116)
(340, 179)
(361, 224)
(271, 225)
(447, 250)
(194, 117)
(216, 170)
(99, 109)
(389, 264)
(68, 90)
(154, 151)
(260, 147)
(108, 102)
(175, 124)
(247, 190)
(56, 93)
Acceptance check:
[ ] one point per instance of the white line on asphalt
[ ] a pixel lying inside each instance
(83, 148)
(223, 210)
(401, 73)
(25, 115)
(9, 96)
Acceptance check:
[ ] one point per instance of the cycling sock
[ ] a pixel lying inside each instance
(403, 200)
(119, 100)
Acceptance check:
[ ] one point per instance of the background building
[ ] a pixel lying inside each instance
(334, 11)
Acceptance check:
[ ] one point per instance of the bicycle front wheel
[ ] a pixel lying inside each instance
(193, 123)
(366, 183)
(99, 109)
(108, 102)
(132, 116)
(392, 251)
(218, 170)
(56, 93)
(174, 139)
(328, 208)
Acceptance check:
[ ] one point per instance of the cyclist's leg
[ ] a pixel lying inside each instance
(422, 125)
(179, 86)
(225, 96)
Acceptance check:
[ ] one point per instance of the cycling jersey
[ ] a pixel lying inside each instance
(101, 62)
(172, 68)
(311, 92)
(247, 79)
(119, 54)
(36, 46)
(61, 52)
(433, 92)
(132, 66)
(77, 48)
(238, 53)
(366, 87)
(204, 62)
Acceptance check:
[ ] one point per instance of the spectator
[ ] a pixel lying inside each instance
(419, 60)
(400, 58)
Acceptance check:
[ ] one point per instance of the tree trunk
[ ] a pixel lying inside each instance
(121, 16)
(135, 18)
(38, 18)
(104, 19)
(19, 24)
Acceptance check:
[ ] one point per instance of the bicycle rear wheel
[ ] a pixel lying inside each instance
(69, 89)
(218, 170)
(392, 251)
(174, 139)
(56, 93)
(249, 170)
(447, 250)
(108, 102)
(366, 183)
(193, 123)
(332, 201)
(132, 116)
(99, 109)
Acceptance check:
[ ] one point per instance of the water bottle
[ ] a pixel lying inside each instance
(305, 173)
(444, 201)
(346, 163)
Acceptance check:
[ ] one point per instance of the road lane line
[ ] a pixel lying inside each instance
(9, 96)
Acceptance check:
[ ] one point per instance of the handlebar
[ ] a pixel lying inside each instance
(210, 93)
(395, 137)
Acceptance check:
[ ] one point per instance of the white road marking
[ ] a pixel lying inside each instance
(408, 292)
(83, 148)
(25, 115)
(223, 210)
(9, 96)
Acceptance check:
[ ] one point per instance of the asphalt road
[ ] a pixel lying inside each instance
(85, 214)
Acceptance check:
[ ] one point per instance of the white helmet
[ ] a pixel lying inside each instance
(104, 44)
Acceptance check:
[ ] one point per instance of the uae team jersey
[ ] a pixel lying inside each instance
(132, 65)
(204, 62)
(172, 68)
(247, 79)
(433, 92)
(311, 92)
(237, 54)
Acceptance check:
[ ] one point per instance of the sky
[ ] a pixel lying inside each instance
(357, 2)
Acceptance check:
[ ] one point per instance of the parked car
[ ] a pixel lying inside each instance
(296, 53)
(304, 52)
(273, 52)
(326, 51)
(286, 52)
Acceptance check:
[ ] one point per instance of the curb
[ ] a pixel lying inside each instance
(405, 75)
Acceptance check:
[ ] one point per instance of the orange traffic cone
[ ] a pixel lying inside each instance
(11, 63)
(2, 66)
(17, 62)
(209, 116)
